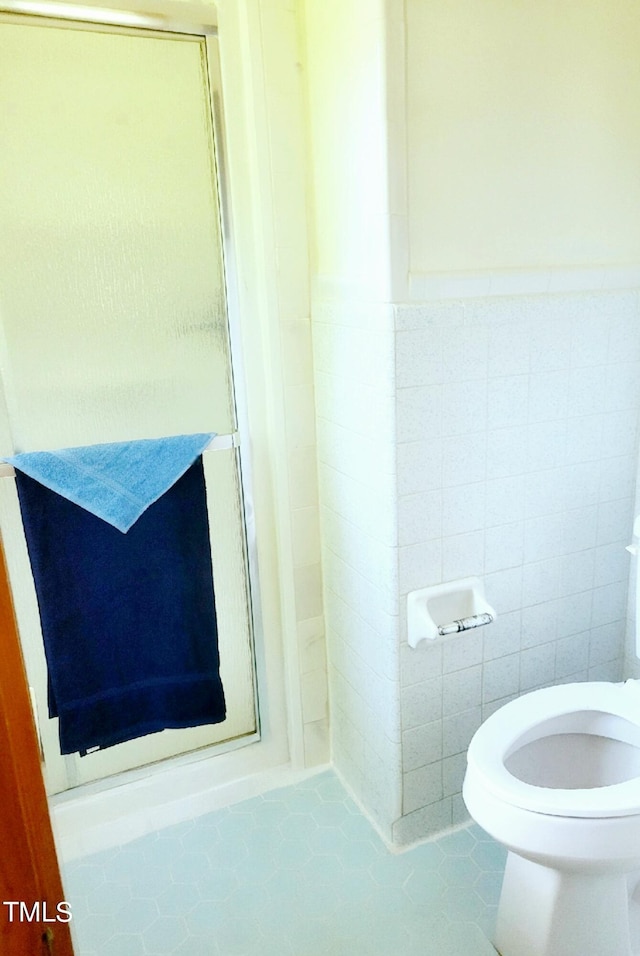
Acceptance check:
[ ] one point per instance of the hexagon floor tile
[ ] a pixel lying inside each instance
(295, 872)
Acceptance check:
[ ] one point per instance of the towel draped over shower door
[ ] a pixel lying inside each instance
(128, 619)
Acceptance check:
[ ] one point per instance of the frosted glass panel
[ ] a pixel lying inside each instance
(113, 320)
(112, 295)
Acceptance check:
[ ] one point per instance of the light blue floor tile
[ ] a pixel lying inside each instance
(190, 867)
(296, 872)
(298, 825)
(80, 906)
(323, 870)
(246, 807)
(239, 936)
(271, 813)
(81, 878)
(390, 870)
(108, 898)
(297, 801)
(282, 885)
(329, 814)
(328, 787)
(292, 853)
(138, 914)
(204, 919)
(488, 887)
(427, 857)
(255, 871)
(94, 931)
(459, 938)
(164, 935)
(487, 922)
(425, 888)
(124, 944)
(197, 946)
(356, 827)
(461, 843)
(260, 842)
(459, 870)
(247, 898)
(201, 840)
(462, 907)
(176, 831)
(217, 884)
(490, 856)
(156, 854)
(178, 900)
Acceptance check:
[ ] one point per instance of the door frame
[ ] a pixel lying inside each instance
(29, 850)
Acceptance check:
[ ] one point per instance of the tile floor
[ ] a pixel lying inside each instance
(295, 872)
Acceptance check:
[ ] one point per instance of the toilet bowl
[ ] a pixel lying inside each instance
(555, 777)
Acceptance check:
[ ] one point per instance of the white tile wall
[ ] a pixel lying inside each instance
(506, 467)
(519, 416)
(354, 363)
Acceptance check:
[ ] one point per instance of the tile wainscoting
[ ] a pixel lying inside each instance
(492, 436)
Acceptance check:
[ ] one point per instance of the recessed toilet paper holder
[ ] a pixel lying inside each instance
(447, 609)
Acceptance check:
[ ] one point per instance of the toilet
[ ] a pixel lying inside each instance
(555, 777)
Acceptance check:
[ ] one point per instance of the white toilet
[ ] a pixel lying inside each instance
(555, 777)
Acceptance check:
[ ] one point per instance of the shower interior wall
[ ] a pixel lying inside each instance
(477, 392)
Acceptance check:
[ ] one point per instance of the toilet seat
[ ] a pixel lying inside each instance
(603, 709)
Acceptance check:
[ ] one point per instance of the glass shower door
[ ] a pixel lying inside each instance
(113, 317)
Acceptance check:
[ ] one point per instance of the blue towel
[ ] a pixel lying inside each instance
(128, 620)
(116, 481)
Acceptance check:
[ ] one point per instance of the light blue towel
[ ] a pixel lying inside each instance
(118, 481)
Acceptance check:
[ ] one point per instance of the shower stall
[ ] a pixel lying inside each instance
(116, 287)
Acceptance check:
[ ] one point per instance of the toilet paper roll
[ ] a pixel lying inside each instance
(465, 624)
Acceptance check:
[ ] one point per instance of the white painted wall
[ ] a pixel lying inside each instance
(523, 134)
(345, 60)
